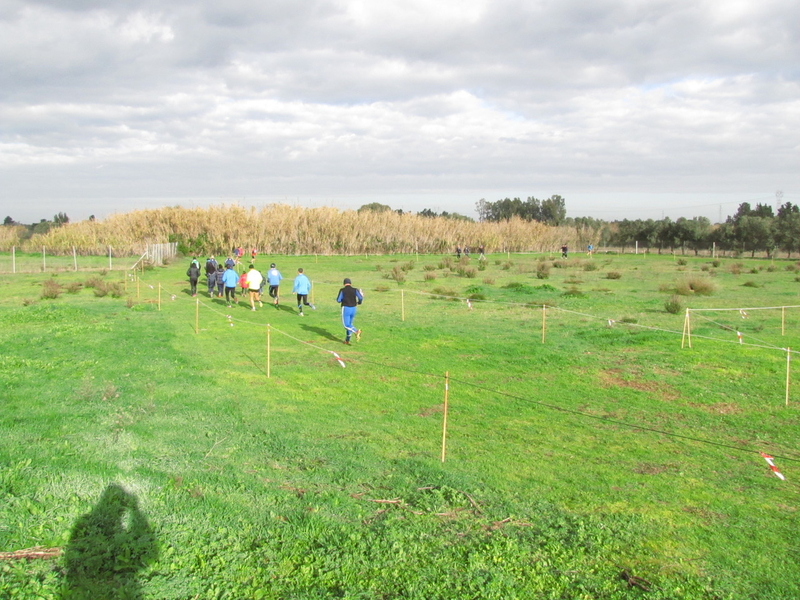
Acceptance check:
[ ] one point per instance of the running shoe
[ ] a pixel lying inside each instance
(358, 335)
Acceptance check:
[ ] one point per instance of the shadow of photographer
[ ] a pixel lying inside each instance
(107, 548)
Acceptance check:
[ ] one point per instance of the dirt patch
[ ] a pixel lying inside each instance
(431, 410)
(653, 469)
(719, 408)
(616, 378)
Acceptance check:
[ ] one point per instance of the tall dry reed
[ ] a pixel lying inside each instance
(283, 229)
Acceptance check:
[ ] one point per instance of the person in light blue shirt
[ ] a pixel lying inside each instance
(302, 287)
(274, 280)
(231, 279)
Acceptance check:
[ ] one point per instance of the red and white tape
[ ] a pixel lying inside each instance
(339, 358)
(772, 466)
(739, 335)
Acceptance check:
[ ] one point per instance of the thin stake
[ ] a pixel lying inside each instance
(44, 261)
(137, 287)
(788, 362)
(197, 316)
(74, 258)
(13, 259)
(109, 258)
(687, 330)
(544, 320)
(444, 419)
(159, 296)
(269, 360)
(783, 320)
(402, 305)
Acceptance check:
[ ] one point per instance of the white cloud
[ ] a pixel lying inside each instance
(398, 98)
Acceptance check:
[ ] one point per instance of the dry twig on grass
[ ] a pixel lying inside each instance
(31, 553)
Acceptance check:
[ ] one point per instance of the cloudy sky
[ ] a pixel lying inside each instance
(627, 108)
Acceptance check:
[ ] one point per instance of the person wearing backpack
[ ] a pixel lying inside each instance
(193, 273)
(211, 275)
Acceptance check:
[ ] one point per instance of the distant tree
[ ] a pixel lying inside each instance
(482, 208)
(42, 226)
(375, 207)
(755, 234)
(456, 216)
(427, 212)
(553, 210)
(787, 228)
(9, 221)
(61, 218)
(91, 217)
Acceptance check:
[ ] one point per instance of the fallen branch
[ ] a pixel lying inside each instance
(635, 581)
(31, 553)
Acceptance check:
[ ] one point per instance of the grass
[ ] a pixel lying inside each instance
(573, 466)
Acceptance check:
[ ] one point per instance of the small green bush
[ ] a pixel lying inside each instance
(573, 292)
(429, 276)
(695, 285)
(673, 305)
(398, 274)
(590, 266)
(51, 289)
(682, 262)
(489, 280)
(543, 270)
(751, 284)
(613, 275)
(445, 291)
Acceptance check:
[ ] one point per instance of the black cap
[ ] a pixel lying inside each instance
(347, 280)
(272, 266)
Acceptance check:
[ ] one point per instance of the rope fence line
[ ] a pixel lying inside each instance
(448, 379)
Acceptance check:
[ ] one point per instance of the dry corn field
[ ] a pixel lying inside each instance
(283, 229)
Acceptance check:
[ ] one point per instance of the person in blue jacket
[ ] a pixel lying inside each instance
(349, 297)
(302, 286)
(231, 279)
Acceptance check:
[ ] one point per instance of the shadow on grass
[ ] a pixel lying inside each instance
(107, 548)
(320, 332)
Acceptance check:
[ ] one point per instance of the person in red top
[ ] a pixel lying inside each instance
(253, 253)
(243, 283)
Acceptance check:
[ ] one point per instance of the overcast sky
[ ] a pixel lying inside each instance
(637, 108)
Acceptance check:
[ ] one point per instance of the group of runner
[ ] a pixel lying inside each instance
(482, 255)
(224, 278)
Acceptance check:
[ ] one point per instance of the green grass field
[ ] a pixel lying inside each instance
(604, 462)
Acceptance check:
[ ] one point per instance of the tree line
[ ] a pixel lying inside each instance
(750, 230)
(42, 227)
